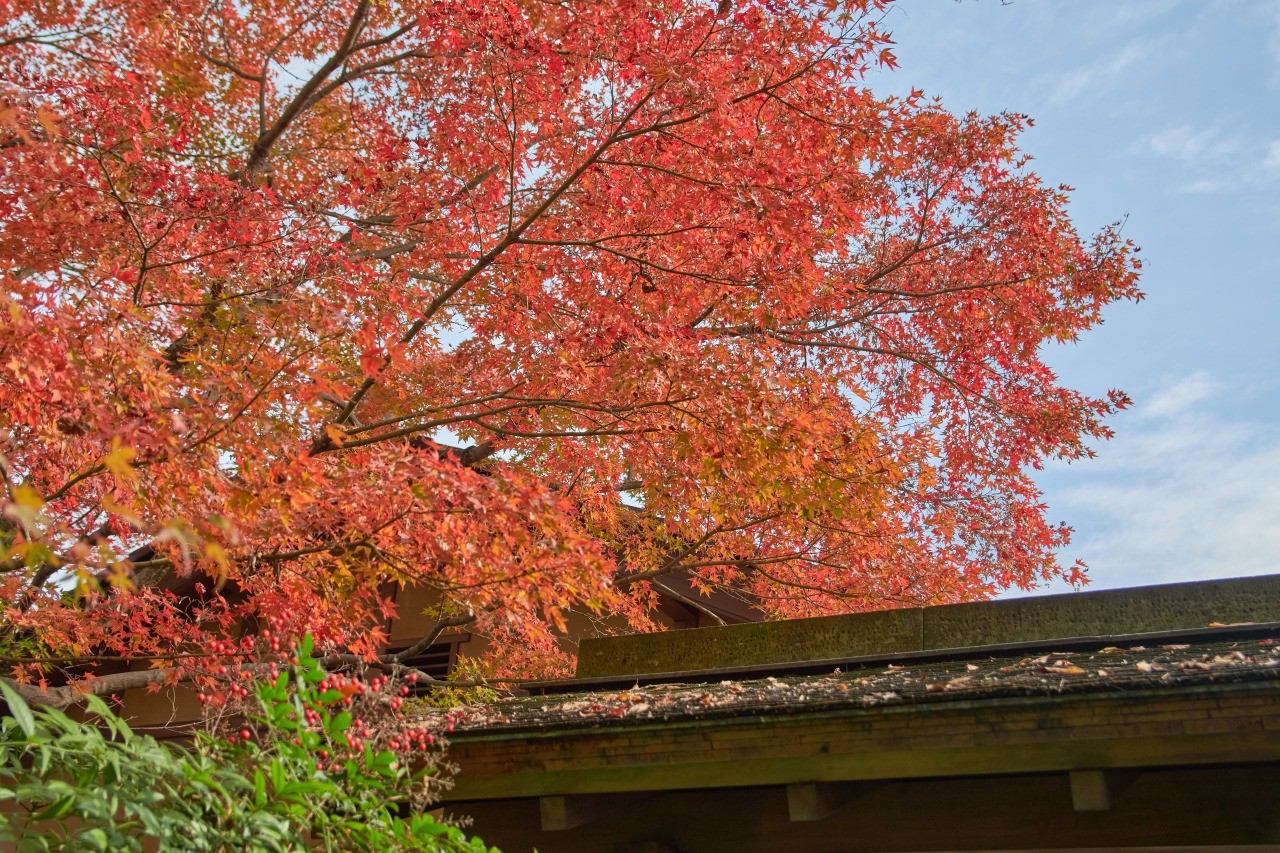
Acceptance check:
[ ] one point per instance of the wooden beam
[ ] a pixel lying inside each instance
(566, 812)
(816, 800)
(559, 813)
(1090, 790)
(1097, 790)
(1018, 735)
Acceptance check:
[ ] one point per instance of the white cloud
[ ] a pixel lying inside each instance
(1212, 160)
(1101, 73)
(1271, 163)
(1184, 492)
(1194, 146)
(1181, 396)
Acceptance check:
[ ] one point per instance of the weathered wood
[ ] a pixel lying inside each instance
(1231, 723)
(1099, 790)
(1077, 614)
(815, 800)
(559, 813)
(1089, 790)
(1177, 810)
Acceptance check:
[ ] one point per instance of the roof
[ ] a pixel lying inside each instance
(1238, 655)
(1087, 717)
(1200, 653)
(904, 632)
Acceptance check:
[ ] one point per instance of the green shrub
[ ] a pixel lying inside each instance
(302, 773)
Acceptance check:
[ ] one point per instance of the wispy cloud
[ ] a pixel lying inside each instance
(1195, 146)
(1181, 397)
(1271, 163)
(1183, 492)
(1101, 73)
(1211, 159)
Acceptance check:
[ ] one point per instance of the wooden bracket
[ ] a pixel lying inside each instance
(566, 812)
(1096, 790)
(815, 800)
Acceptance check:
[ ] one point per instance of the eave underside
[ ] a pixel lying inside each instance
(1184, 766)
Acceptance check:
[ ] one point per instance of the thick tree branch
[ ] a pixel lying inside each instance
(307, 95)
(430, 638)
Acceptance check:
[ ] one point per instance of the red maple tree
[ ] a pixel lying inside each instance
(530, 303)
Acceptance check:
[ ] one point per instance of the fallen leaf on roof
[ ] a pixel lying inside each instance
(1063, 667)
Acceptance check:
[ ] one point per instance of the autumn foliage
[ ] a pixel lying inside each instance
(532, 303)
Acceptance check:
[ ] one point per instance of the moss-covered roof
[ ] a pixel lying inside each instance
(1106, 668)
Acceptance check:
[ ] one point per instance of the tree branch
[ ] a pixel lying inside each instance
(430, 638)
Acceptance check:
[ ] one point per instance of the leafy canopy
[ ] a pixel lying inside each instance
(539, 305)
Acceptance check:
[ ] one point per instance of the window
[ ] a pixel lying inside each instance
(437, 660)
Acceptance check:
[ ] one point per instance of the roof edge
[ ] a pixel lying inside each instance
(1135, 612)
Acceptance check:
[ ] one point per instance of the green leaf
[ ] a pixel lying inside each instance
(57, 809)
(259, 789)
(19, 709)
(98, 838)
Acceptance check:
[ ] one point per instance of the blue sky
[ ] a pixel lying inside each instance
(1166, 112)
